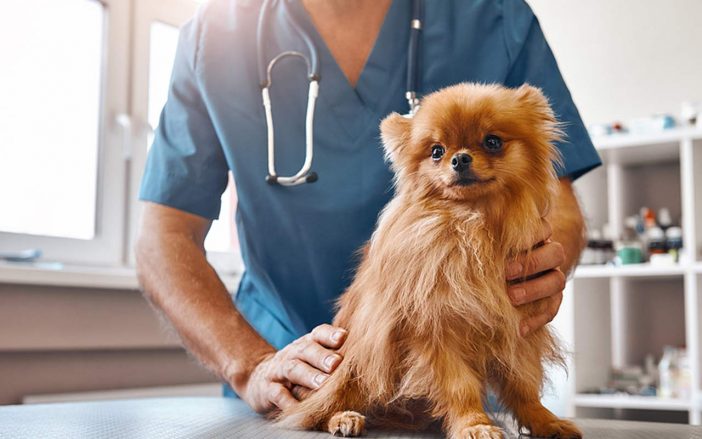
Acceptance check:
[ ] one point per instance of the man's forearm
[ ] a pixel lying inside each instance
(179, 281)
(568, 225)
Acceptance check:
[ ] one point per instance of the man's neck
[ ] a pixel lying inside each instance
(349, 28)
(344, 8)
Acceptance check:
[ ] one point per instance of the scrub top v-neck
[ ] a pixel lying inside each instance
(358, 107)
(299, 244)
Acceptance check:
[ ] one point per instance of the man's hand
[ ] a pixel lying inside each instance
(179, 281)
(283, 378)
(541, 279)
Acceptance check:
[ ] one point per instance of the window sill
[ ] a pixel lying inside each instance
(56, 274)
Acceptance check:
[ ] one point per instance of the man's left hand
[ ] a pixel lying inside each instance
(542, 279)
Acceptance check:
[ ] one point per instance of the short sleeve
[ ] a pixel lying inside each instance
(186, 168)
(532, 62)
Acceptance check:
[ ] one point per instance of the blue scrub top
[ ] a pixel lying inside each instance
(299, 243)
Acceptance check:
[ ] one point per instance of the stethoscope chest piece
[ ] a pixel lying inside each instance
(310, 177)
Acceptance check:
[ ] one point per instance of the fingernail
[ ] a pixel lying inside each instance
(517, 295)
(524, 329)
(330, 360)
(319, 379)
(337, 335)
(514, 269)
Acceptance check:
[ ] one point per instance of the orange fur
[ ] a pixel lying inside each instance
(428, 315)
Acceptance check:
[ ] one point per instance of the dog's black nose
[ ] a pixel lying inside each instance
(461, 161)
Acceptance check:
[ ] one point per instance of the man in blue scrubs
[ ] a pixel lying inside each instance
(299, 243)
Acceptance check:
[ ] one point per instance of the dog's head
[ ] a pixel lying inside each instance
(469, 141)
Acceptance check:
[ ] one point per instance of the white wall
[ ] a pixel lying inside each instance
(626, 58)
(58, 339)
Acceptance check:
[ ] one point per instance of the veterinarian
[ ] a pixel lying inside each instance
(272, 343)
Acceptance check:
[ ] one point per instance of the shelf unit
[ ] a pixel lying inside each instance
(613, 316)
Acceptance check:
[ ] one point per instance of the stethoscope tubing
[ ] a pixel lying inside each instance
(304, 175)
(413, 56)
(264, 67)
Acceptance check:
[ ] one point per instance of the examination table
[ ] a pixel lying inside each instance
(227, 418)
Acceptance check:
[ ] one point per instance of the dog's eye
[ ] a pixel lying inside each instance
(492, 143)
(437, 151)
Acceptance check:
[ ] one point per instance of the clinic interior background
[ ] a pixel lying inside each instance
(81, 88)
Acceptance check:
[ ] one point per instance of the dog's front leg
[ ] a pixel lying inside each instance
(459, 402)
(520, 391)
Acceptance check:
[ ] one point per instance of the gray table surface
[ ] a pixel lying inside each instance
(228, 418)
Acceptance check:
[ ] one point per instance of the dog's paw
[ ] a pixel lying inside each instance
(559, 429)
(347, 424)
(480, 431)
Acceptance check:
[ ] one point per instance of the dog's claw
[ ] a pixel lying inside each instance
(560, 429)
(481, 431)
(347, 424)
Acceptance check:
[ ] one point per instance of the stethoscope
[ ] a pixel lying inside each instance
(304, 175)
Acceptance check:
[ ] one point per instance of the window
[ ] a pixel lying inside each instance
(164, 42)
(85, 83)
(60, 158)
(50, 115)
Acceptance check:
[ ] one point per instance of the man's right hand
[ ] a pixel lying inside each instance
(283, 378)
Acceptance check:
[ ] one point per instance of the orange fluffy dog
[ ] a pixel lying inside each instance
(429, 320)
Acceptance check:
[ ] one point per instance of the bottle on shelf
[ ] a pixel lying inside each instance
(629, 249)
(599, 249)
(683, 384)
(648, 233)
(667, 370)
(674, 373)
(674, 242)
(656, 241)
(665, 220)
(649, 218)
(657, 248)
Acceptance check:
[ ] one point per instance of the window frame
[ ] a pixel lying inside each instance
(107, 246)
(173, 13)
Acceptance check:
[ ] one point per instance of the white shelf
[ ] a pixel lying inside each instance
(632, 270)
(672, 136)
(631, 402)
(628, 149)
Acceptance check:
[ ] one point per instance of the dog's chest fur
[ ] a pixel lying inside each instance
(440, 262)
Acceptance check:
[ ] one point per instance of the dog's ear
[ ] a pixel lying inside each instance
(537, 112)
(395, 133)
(535, 103)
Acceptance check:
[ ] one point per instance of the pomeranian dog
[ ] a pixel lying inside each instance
(430, 325)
